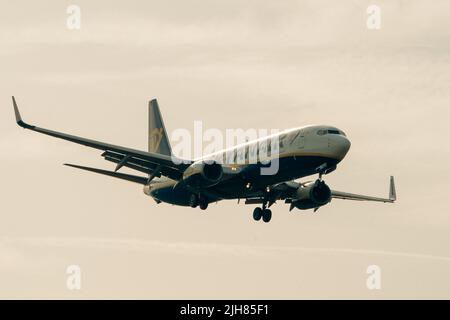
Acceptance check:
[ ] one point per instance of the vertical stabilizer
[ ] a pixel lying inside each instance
(158, 141)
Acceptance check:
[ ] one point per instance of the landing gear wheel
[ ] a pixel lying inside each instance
(266, 215)
(203, 205)
(257, 213)
(193, 201)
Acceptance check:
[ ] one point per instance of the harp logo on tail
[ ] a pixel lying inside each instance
(155, 138)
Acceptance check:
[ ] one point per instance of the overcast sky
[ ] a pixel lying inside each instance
(231, 64)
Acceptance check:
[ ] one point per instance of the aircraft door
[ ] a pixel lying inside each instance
(301, 140)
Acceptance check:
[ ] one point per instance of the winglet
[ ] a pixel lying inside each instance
(18, 116)
(16, 111)
(392, 193)
(19, 120)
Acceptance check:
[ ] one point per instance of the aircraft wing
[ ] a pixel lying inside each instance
(167, 165)
(358, 197)
(285, 191)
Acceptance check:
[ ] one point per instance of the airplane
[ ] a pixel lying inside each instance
(302, 152)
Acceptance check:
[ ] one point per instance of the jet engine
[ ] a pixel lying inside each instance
(202, 174)
(311, 195)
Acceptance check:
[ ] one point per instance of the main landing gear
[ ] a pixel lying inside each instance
(198, 201)
(265, 214)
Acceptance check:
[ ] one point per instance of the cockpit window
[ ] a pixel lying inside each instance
(322, 132)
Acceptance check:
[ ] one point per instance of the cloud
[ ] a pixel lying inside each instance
(189, 248)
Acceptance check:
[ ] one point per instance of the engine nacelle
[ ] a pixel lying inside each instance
(203, 174)
(312, 195)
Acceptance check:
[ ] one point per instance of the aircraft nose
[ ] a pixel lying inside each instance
(345, 145)
(340, 146)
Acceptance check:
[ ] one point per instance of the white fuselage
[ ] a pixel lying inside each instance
(300, 152)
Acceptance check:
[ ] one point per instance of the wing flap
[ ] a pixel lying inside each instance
(141, 165)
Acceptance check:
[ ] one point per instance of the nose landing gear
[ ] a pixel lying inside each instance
(203, 204)
(198, 201)
(193, 201)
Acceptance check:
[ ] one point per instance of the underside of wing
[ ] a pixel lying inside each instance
(357, 197)
(352, 196)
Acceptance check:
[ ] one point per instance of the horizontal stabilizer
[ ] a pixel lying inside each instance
(123, 176)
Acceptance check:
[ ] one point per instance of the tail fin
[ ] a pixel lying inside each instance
(158, 141)
(392, 193)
